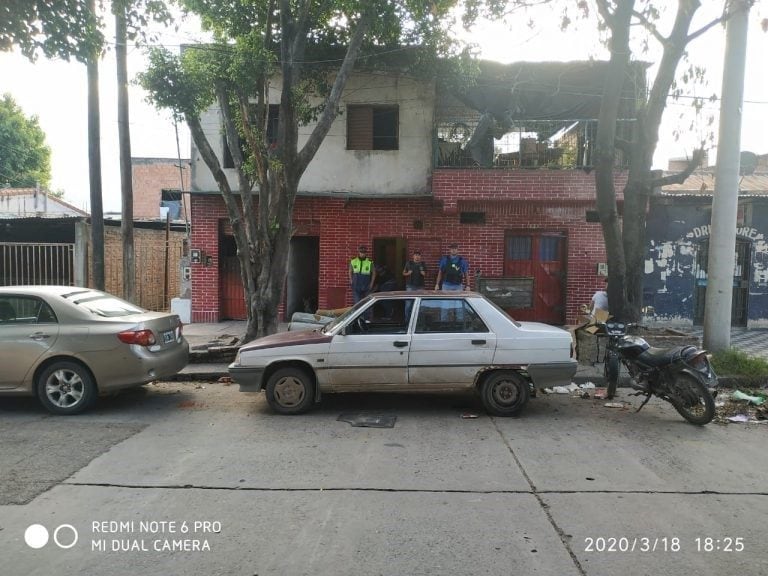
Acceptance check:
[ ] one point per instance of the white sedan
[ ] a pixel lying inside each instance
(410, 341)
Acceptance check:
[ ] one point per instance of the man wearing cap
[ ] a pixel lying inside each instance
(453, 271)
(362, 274)
(415, 271)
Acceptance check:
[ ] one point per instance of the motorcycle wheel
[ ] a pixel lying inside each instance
(692, 399)
(611, 373)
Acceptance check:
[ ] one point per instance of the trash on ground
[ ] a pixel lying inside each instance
(600, 393)
(739, 395)
(738, 418)
(548, 391)
(364, 420)
(746, 419)
(565, 389)
(615, 405)
(469, 415)
(225, 380)
(588, 386)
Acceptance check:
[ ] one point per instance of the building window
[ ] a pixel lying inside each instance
(372, 127)
(273, 116)
(170, 200)
(472, 218)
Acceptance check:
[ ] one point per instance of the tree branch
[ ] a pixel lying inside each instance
(651, 27)
(703, 29)
(329, 112)
(605, 12)
(680, 177)
(623, 145)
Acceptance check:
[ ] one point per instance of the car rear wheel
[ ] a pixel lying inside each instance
(504, 393)
(290, 391)
(66, 388)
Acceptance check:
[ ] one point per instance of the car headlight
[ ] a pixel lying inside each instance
(237, 357)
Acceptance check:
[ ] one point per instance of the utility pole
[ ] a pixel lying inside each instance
(124, 137)
(94, 165)
(725, 201)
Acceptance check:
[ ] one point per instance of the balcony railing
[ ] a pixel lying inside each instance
(458, 143)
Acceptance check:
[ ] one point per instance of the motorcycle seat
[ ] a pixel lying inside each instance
(658, 357)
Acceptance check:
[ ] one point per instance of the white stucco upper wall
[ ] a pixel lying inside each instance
(335, 169)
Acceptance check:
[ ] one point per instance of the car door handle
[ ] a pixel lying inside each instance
(478, 342)
(39, 336)
(400, 344)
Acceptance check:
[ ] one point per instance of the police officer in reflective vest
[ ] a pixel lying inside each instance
(362, 274)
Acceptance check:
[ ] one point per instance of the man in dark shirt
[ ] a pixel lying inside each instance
(415, 271)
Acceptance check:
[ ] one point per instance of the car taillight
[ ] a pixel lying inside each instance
(140, 337)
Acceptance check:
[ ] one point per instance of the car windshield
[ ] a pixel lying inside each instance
(340, 319)
(104, 304)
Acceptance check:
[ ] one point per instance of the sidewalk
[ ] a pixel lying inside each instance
(214, 345)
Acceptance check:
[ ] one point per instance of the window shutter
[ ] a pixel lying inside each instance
(359, 128)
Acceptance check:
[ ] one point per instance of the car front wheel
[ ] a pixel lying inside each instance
(66, 388)
(504, 393)
(290, 391)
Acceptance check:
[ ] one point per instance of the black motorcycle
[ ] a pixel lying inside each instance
(681, 375)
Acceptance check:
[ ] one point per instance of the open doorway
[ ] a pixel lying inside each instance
(303, 275)
(392, 253)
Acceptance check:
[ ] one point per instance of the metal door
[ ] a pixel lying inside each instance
(540, 256)
(741, 276)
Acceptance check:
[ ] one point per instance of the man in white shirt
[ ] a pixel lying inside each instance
(599, 310)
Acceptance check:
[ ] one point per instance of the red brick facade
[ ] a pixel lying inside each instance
(551, 200)
(150, 176)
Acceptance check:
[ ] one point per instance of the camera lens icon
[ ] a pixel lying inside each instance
(36, 536)
(65, 536)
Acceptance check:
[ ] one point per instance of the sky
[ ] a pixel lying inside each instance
(56, 92)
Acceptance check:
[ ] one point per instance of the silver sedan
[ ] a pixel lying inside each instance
(410, 341)
(66, 345)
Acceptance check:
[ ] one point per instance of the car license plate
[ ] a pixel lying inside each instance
(169, 336)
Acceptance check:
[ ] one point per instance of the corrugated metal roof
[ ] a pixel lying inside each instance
(703, 184)
(12, 204)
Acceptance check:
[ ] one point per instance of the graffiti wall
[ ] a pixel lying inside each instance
(676, 263)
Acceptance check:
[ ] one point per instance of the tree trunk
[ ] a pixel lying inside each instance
(606, 154)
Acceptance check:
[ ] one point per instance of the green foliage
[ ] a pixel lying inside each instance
(55, 28)
(25, 159)
(139, 14)
(181, 84)
(734, 362)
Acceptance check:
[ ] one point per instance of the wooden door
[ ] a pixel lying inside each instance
(540, 257)
(232, 294)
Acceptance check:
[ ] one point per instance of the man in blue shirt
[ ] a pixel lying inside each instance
(453, 271)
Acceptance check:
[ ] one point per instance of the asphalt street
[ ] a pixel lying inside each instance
(196, 478)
